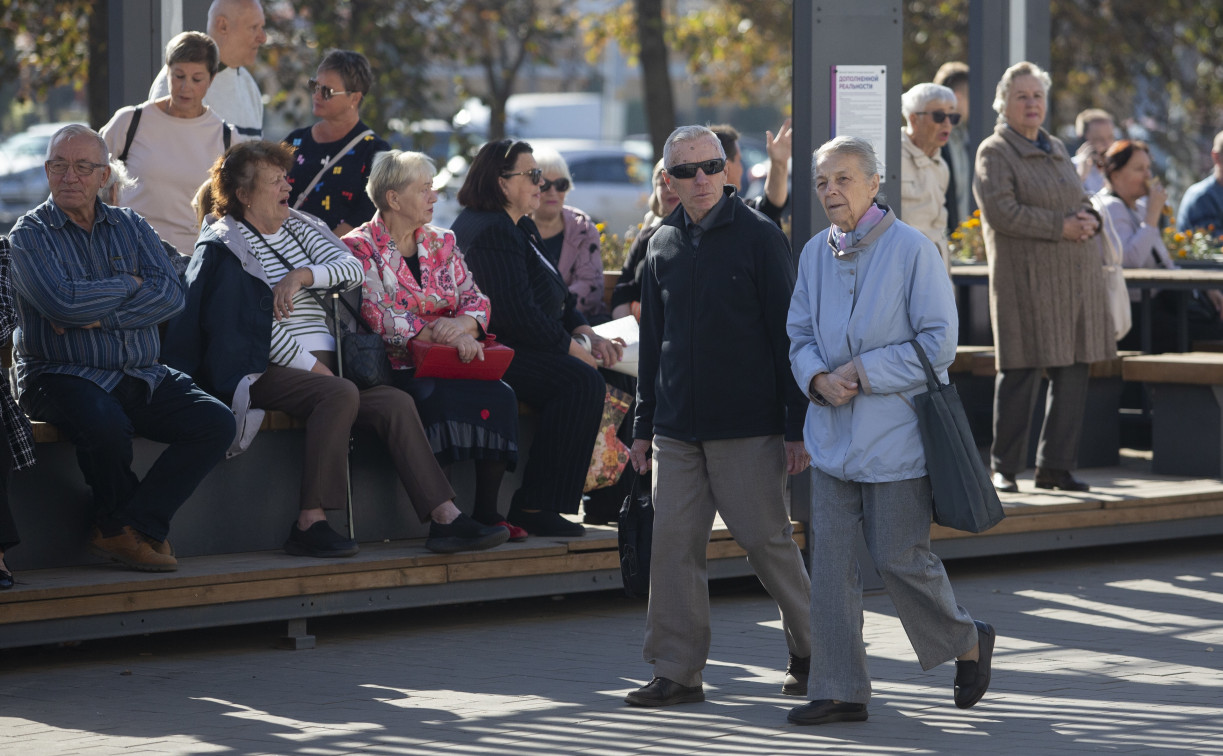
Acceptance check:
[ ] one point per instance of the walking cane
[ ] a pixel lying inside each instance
(339, 360)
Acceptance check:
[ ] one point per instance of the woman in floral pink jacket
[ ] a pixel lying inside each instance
(418, 287)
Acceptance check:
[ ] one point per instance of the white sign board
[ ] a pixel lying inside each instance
(860, 107)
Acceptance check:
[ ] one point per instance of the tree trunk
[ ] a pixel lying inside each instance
(655, 75)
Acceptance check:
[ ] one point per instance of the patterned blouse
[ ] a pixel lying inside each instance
(393, 304)
(339, 196)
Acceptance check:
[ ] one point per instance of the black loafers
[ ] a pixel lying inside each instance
(972, 677)
(6, 580)
(797, 672)
(663, 692)
(1005, 483)
(1061, 479)
(825, 711)
(319, 540)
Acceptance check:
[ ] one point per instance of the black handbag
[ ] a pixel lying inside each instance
(362, 353)
(635, 536)
(964, 497)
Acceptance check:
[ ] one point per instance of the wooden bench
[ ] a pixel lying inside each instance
(1186, 410)
(1099, 446)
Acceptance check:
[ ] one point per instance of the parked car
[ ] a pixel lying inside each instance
(23, 182)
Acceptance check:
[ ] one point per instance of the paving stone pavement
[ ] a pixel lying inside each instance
(1112, 650)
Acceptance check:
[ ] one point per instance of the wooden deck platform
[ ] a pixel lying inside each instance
(1126, 504)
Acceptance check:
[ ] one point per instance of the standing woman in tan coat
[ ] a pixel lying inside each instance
(1046, 289)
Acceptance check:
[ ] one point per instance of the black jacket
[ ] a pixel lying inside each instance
(714, 358)
(532, 306)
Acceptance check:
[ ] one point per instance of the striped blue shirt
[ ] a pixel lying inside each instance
(66, 276)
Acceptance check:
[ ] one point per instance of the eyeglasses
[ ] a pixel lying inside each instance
(533, 175)
(561, 184)
(324, 91)
(688, 170)
(82, 168)
(939, 116)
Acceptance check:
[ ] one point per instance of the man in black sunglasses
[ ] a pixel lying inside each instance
(718, 409)
(930, 113)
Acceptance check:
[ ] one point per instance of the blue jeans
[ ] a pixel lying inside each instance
(197, 427)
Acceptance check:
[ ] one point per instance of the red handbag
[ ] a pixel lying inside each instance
(433, 360)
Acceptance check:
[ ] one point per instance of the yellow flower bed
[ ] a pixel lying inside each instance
(966, 243)
(1198, 244)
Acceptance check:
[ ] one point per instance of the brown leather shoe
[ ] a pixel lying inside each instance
(161, 547)
(1048, 478)
(131, 549)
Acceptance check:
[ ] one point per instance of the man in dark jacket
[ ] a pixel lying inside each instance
(714, 397)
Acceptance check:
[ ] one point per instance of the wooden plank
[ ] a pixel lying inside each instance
(220, 593)
(964, 357)
(583, 562)
(1202, 368)
(1089, 519)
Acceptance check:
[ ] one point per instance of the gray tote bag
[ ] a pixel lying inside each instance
(964, 497)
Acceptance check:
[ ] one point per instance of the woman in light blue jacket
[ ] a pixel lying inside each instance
(866, 287)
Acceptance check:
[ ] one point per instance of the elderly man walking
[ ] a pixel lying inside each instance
(714, 398)
(92, 282)
(237, 28)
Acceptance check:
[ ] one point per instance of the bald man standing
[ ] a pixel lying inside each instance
(237, 28)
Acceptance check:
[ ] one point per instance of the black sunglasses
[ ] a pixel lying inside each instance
(688, 170)
(561, 184)
(533, 175)
(324, 91)
(939, 116)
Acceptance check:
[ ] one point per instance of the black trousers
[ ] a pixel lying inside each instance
(8, 528)
(1015, 393)
(568, 394)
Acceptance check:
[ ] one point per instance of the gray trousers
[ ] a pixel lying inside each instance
(743, 479)
(1015, 394)
(895, 519)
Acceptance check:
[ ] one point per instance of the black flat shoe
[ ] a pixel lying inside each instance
(545, 523)
(825, 711)
(6, 580)
(1005, 483)
(663, 692)
(1060, 479)
(972, 677)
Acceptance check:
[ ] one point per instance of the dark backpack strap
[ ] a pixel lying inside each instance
(131, 133)
(226, 133)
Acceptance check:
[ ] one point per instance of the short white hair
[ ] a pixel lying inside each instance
(920, 96)
(849, 145)
(688, 134)
(1023, 68)
(551, 161)
(228, 9)
(395, 169)
(76, 130)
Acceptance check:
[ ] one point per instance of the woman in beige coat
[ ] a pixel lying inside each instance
(1046, 290)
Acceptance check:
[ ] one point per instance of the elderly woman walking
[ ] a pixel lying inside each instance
(870, 291)
(1046, 289)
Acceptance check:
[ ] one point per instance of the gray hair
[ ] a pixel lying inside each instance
(688, 134)
(76, 130)
(395, 169)
(1023, 68)
(849, 145)
(921, 95)
(118, 179)
(551, 161)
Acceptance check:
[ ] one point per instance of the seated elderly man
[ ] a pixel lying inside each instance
(1202, 205)
(930, 112)
(92, 282)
